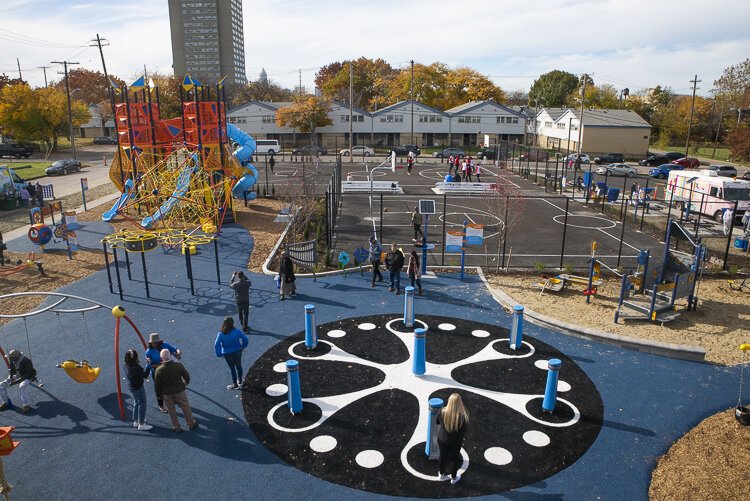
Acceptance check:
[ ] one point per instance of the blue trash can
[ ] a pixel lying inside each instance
(613, 194)
(740, 243)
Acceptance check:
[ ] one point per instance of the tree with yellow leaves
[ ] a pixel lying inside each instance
(306, 113)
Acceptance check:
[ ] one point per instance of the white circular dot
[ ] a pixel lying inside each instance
(276, 390)
(480, 333)
(369, 459)
(447, 327)
(541, 364)
(563, 386)
(536, 438)
(498, 456)
(323, 443)
(280, 367)
(366, 326)
(337, 333)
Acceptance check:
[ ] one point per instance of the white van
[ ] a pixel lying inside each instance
(708, 193)
(270, 146)
(10, 182)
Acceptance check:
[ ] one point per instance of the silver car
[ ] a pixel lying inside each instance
(617, 170)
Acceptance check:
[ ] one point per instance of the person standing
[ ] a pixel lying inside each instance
(136, 375)
(414, 271)
(469, 168)
(726, 219)
(450, 165)
(452, 423)
(409, 163)
(153, 359)
(286, 276)
(230, 342)
(394, 261)
(240, 284)
(479, 173)
(271, 162)
(376, 251)
(416, 222)
(457, 162)
(170, 381)
(633, 189)
(25, 197)
(21, 372)
(39, 192)
(464, 166)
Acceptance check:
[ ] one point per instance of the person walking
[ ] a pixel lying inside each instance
(409, 163)
(21, 372)
(170, 381)
(457, 162)
(136, 375)
(464, 166)
(478, 172)
(450, 165)
(414, 271)
(230, 342)
(240, 284)
(469, 168)
(394, 261)
(416, 222)
(376, 251)
(153, 359)
(39, 192)
(452, 423)
(271, 162)
(286, 276)
(633, 190)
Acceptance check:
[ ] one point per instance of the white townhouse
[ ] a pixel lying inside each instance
(470, 122)
(393, 125)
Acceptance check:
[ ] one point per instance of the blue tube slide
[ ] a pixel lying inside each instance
(243, 154)
(127, 193)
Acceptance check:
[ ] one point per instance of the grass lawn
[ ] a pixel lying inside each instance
(28, 170)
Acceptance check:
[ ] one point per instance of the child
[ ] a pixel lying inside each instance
(414, 271)
(21, 372)
(136, 375)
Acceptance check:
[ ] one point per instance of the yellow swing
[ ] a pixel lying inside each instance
(80, 372)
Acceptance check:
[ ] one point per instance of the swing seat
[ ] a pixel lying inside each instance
(742, 414)
(80, 372)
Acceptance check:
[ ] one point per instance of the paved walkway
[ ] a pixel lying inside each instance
(75, 443)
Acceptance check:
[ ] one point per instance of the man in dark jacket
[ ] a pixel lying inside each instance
(395, 261)
(241, 286)
(375, 251)
(170, 381)
(21, 373)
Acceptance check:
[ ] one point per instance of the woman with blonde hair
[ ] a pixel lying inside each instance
(453, 421)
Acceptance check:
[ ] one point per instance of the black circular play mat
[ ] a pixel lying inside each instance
(364, 418)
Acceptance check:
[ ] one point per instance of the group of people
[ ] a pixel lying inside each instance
(32, 193)
(463, 169)
(394, 262)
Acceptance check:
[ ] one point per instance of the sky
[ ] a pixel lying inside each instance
(636, 44)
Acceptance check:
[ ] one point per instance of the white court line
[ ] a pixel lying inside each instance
(469, 218)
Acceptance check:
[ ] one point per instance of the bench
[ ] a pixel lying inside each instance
(377, 187)
(443, 187)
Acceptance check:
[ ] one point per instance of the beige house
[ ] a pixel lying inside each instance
(603, 131)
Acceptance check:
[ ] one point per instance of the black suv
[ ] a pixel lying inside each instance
(610, 158)
(404, 149)
(15, 150)
(312, 150)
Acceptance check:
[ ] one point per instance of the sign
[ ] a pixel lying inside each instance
(84, 184)
(474, 234)
(427, 207)
(453, 241)
(71, 219)
(48, 210)
(486, 140)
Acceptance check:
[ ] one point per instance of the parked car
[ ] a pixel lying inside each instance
(10, 182)
(359, 151)
(15, 150)
(662, 172)
(312, 150)
(688, 163)
(404, 149)
(617, 170)
(610, 158)
(746, 176)
(62, 167)
(491, 152)
(105, 140)
(449, 152)
(655, 159)
(585, 159)
(535, 156)
(672, 155)
(724, 170)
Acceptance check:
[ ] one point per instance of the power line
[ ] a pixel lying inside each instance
(12, 36)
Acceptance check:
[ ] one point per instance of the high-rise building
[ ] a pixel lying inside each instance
(208, 40)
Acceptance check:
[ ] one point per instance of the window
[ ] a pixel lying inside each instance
(561, 125)
(573, 126)
(548, 124)
(267, 119)
(392, 118)
(469, 120)
(355, 118)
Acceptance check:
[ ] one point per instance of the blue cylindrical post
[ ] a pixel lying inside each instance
(311, 331)
(463, 249)
(424, 244)
(418, 362)
(516, 330)
(550, 392)
(431, 446)
(294, 394)
(409, 306)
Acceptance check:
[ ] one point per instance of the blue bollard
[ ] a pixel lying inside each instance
(409, 306)
(294, 394)
(550, 392)
(431, 446)
(311, 331)
(516, 330)
(418, 362)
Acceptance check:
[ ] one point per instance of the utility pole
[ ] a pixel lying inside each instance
(20, 76)
(70, 111)
(718, 126)
(412, 101)
(98, 41)
(351, 114)
(44, 68)
(300, 81)
(694, 81)
(580, 123)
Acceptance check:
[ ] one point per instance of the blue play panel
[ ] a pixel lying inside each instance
(74, 444)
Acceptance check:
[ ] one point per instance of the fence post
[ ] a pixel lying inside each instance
(445, 211)
(505, 227)
(565, 231)
(622, 234)
(328, 214)
(700, 213)
(669, 215)
(381, 218)
(729, 237)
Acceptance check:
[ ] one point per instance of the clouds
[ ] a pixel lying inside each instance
(633, 43)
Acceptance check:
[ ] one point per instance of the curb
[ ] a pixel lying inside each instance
(670, 350)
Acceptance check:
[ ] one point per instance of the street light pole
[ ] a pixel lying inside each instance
(351, 117)
(412, 101)
(694, 81)
(70, 111)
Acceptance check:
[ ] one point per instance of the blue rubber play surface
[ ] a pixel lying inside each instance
(74, 445)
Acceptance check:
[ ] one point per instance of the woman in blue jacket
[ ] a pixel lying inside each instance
(229, 344)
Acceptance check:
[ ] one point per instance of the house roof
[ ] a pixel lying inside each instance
(269, 105)
(401, 103)
(610, 118)
(355, 109)
(555, 113)
(467, 107)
